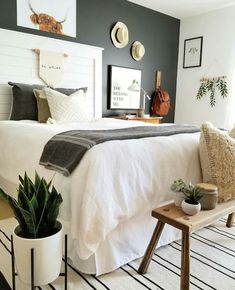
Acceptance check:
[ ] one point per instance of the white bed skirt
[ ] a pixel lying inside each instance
(115, 245)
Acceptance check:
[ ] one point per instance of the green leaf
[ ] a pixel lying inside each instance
(16, 209)
(42, 200)
(27, 206)
(202, 90)
(53, 205)
(31, 227)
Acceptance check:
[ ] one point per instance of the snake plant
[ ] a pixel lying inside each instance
(36, 208)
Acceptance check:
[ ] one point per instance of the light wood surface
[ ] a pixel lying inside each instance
(151, 247)
(5, 210)
(185, 262)
(153, 120)
(158, 79)
(175, 217)
(37, 51)
(230, 220)
(207, 186)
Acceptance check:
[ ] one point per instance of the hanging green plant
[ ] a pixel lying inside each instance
(209, 85)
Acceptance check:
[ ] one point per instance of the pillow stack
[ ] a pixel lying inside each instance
(217, 155)
(30, 102)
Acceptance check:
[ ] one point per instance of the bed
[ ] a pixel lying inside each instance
(109, 196)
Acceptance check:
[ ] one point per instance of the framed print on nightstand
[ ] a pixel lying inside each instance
(125, 87)
(192, 52)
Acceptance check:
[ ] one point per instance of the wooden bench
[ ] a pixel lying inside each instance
(174, 216)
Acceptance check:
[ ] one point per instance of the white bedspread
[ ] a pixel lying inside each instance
(116, 181)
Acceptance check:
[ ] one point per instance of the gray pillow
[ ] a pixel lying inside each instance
(24, 104)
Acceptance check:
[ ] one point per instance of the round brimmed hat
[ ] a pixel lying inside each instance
(120, 35)
(137, 50)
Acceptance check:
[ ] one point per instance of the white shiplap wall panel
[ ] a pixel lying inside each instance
(4, 99)
(4, 108)
(18, 63)
(15, 70)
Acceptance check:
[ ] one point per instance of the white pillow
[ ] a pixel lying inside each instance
(65, 108)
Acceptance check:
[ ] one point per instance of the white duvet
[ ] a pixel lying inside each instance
(115, 183)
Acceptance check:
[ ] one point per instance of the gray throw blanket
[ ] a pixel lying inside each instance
(64, 151)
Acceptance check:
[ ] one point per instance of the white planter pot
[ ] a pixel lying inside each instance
(47, 257)
(190, 209)
(178, 197)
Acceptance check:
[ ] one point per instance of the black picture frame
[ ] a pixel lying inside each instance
(193, 52)
(124, 87)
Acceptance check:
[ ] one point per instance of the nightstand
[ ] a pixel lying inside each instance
(153, 120)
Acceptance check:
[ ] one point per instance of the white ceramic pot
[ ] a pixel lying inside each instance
(190, 209)
(178, 197)
(47, 257)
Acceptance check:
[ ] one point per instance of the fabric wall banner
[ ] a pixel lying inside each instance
(51, 67)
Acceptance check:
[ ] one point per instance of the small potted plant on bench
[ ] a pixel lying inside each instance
(191, 205)
(36, 211)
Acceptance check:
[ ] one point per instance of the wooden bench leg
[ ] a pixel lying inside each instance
(185, 261)
(230, 220)
(151, 247)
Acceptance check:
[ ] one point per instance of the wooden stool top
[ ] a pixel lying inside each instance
(175, 217)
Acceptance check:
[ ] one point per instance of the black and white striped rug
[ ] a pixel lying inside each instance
(212, 266)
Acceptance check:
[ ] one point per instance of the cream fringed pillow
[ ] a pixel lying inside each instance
(217, 155)
(232, 133)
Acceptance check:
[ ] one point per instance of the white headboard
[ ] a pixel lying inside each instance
(18, 63)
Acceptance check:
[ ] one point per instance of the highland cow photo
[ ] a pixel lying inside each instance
(54, 16)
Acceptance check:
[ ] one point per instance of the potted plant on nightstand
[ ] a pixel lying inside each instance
(178, 188)
(36, 211)
(191, 205)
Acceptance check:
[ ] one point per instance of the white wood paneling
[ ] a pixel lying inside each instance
(18, 63)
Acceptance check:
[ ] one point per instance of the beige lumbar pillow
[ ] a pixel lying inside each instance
(217, 155)
(43, 107)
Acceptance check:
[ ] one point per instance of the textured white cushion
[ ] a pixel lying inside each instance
(217, 155)
(65, 108)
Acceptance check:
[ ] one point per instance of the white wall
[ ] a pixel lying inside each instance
(218, 58)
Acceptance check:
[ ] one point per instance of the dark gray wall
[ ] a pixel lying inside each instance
(158, 32)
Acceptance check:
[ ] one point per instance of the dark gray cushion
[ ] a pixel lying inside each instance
(24, 104)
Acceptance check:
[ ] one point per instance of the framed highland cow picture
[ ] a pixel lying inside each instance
(53, 16)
